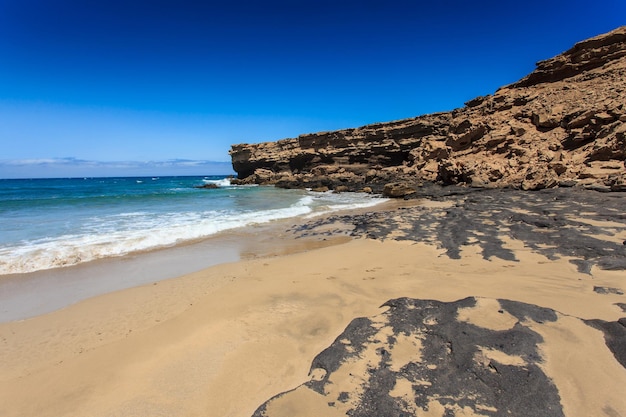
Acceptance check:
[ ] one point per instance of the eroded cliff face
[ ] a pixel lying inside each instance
(562, 125)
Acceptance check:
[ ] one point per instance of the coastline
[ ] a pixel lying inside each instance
(223, 340)
(27, 295)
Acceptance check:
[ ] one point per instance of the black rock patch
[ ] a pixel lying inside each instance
(456, 365)
(608, 290)
(555, 223)
(614, 336)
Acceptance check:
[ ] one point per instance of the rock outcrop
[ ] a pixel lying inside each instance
(488, 220)
(562, 125)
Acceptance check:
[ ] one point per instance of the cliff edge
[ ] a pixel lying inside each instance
(562, 125)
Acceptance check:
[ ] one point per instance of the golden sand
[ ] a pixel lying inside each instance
(222, 341)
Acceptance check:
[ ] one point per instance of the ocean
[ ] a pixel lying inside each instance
(54, 223)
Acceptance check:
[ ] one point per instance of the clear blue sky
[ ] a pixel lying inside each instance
(163, 86)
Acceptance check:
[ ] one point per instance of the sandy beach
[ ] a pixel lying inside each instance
(226, 340)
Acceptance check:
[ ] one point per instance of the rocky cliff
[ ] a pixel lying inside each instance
(562, 125)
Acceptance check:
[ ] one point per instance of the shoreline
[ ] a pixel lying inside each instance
(26, 295)
(224, 340)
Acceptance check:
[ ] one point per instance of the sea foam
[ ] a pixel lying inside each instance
(117, 217)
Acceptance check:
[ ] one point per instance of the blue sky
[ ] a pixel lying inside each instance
(163, 87)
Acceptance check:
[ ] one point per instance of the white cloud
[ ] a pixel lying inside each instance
(73, 167)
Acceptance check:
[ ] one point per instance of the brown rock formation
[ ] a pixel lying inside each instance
(562, 125)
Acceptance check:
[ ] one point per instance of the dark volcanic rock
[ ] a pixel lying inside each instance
(607, 290)
(207, 186)
(556, 223)
(614, 335)
(562, 125)
(420, 355)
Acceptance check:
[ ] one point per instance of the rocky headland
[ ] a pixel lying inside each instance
(563, 125)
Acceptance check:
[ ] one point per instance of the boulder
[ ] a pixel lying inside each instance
(398, 190)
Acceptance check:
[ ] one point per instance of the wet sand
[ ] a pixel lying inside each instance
(23, 296)
(224, 340)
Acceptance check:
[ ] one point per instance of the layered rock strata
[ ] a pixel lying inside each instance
(562, 125)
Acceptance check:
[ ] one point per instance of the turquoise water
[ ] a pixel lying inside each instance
(51, 223)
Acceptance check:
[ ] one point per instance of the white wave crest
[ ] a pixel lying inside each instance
(225, 182)
(133, 232)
